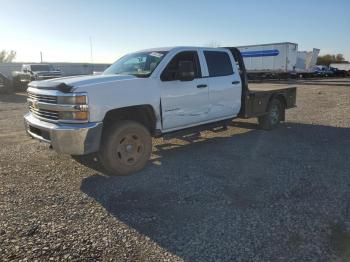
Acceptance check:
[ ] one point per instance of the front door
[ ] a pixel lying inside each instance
(184, 102)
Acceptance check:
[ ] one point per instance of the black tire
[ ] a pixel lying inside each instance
(125, 148)
(18, 85)
(273, 116)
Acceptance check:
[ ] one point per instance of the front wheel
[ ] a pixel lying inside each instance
(126, 148)
(273, 116)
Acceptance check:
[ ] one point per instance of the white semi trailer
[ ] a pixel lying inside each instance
(341, 66)
(277, 60)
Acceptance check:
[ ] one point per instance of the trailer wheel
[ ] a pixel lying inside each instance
(273, 116)
(126, 148)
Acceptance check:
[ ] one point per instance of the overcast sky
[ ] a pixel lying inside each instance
(61, 29)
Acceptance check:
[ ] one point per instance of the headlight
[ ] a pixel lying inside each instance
(72, 100)
(77, 115)
(78, 104)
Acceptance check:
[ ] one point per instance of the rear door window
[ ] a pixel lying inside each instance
(219, 63)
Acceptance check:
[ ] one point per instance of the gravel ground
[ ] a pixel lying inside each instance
(236, 195)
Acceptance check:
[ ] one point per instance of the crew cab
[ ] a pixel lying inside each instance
(150, 93)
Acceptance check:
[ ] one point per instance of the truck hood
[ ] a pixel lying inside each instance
(68, 84)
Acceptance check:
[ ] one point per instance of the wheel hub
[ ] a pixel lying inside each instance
(129, 150)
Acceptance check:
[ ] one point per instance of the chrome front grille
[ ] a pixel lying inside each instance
(42, 113)
(42, 98)
(57, 107)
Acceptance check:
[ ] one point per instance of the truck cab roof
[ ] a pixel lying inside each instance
(180, 48)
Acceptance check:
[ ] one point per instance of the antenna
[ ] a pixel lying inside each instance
(41, 57)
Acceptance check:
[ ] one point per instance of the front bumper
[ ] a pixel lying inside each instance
(73, 139)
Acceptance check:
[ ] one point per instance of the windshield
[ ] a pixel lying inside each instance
(36, 68)
(137, 64)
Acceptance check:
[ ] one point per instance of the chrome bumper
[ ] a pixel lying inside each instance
(73, 139)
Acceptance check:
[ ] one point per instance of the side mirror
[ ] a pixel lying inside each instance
(186, 71)
(25, 70)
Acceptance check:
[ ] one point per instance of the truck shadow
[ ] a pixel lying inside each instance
(233, 197)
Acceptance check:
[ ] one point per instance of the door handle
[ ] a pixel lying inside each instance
(235, 82)
(201, 86)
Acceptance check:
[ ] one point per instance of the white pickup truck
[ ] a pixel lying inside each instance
(149, 93)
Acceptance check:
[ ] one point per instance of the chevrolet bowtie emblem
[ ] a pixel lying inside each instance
(33, 103)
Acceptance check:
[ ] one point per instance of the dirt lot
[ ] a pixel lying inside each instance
(237, 195)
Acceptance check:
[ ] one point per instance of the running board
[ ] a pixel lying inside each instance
(195, 131)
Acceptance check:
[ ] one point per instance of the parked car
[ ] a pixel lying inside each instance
(31, 72)
(338, 73)
(322, 71)
(162, 92)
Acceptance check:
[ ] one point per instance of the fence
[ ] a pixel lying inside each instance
(68, 69)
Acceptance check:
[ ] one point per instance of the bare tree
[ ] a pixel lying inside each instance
(328, 59)
(7, 56)
(339, 58)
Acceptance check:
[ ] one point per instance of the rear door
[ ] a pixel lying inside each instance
(184, 103)
(224, 84)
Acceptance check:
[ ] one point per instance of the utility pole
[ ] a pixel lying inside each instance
(41, 57)
(91, 57)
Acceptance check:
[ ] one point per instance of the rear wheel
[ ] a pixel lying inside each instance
(126, 148)
(273, 116)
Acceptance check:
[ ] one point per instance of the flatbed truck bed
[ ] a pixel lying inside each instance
(266, 87)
